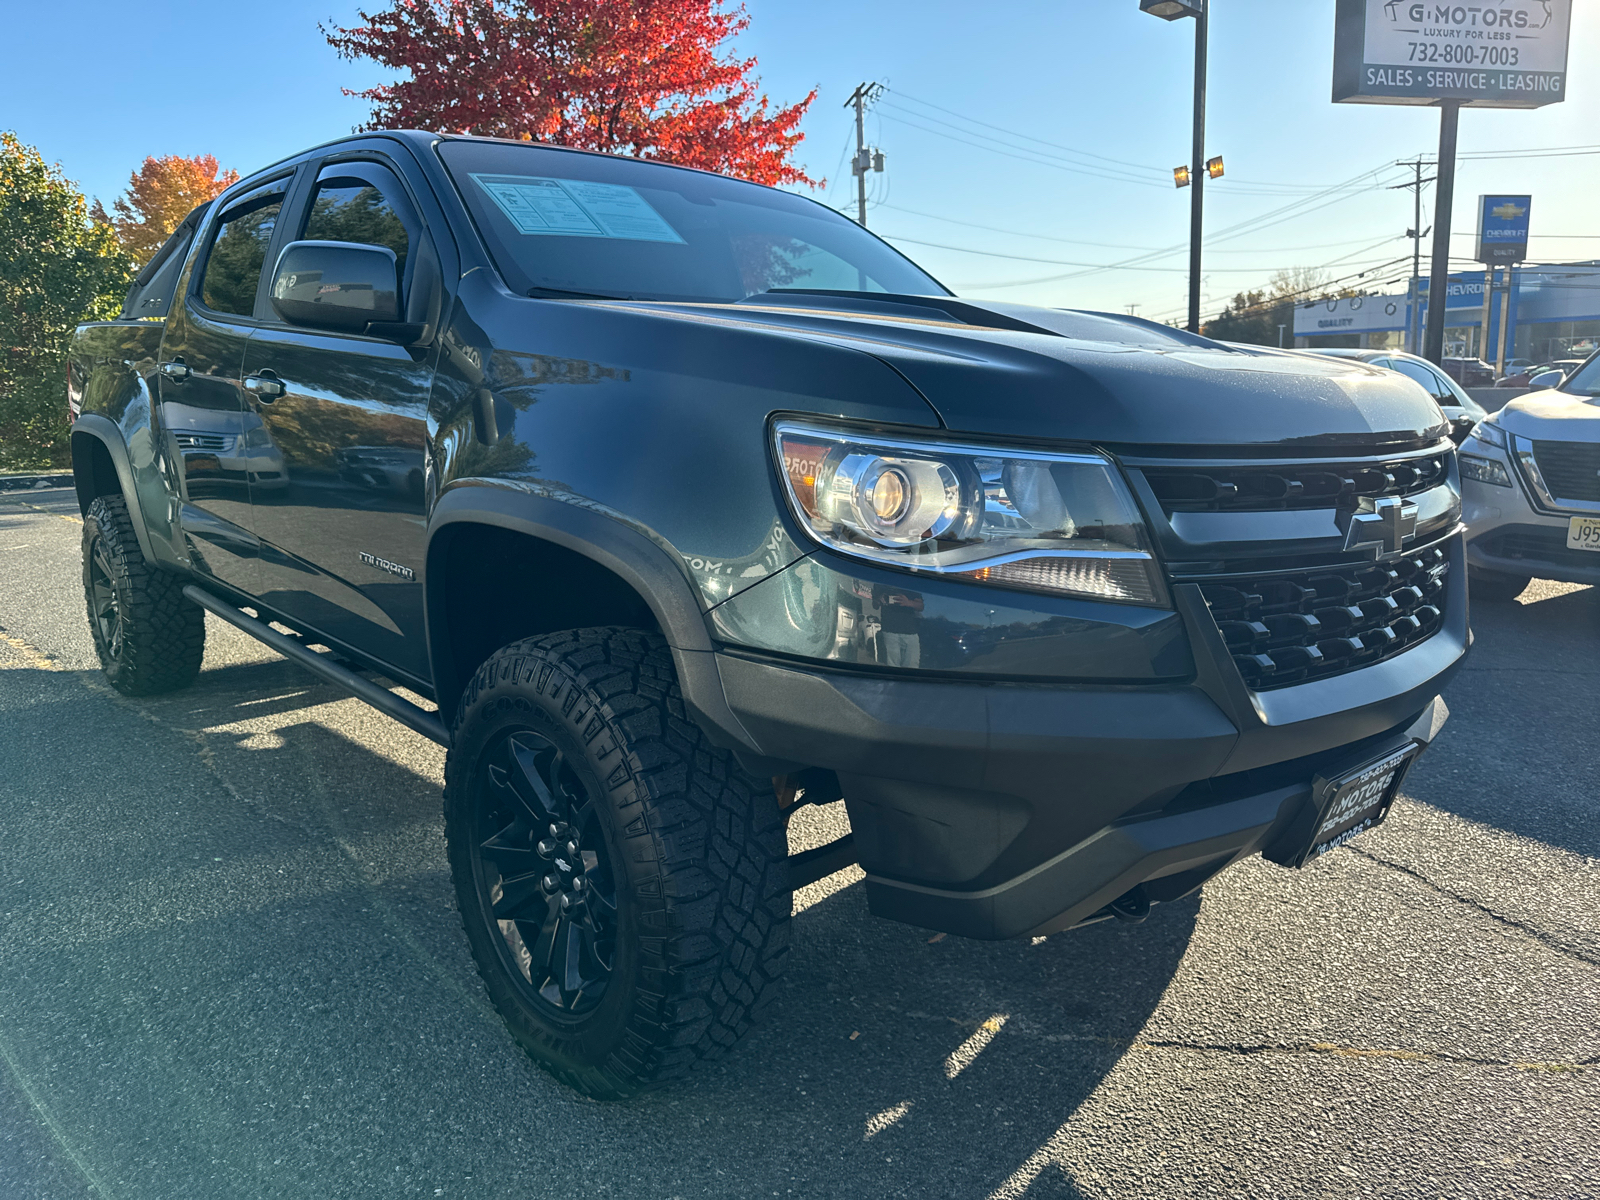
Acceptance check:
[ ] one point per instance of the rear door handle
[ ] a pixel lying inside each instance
(265, 387)
(177, 370)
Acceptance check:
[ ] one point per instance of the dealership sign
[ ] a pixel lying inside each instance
(1503, 229)
(1507, 55)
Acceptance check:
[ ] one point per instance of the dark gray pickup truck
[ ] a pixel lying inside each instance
(689, 502)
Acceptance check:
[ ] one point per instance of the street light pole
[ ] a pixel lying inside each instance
(1197, 169)
(1173, 10)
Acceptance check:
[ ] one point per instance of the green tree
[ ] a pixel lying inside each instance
(1247, 319)
(57, 267)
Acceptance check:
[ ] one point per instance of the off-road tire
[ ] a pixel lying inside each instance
(696, 845)
(162, 634)
(1494, 588)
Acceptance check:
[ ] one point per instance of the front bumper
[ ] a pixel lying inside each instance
(998, 809)
(1507, 533)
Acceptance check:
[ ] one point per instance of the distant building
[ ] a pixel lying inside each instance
(1554, 313)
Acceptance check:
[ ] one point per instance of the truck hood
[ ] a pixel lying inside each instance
(1552, 417)
(1015, 370)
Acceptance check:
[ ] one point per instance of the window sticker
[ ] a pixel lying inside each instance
(576, 208)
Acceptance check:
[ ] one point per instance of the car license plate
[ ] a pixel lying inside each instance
(1345, 805)
(1583, 533)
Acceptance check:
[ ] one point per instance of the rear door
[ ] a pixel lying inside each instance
(214, 434)
(341, 507)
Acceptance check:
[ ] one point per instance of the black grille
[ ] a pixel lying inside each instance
(1320, 485)
(1571, 470)
(1293, 627)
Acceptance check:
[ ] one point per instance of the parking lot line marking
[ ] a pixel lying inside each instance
(49, 1120)
(47, 512)
(33, 658)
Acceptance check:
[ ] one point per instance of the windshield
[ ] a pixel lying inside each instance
(1585, 380)
(560, 223)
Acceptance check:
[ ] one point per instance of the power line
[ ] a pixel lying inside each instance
(1046, 237)
(1029, 157)
(1275, 217)
(1026, 137)
(1058, 262)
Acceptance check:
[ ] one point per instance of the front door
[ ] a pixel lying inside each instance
(214, 431)
(340, 509)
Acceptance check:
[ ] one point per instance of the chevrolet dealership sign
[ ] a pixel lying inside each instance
(1503, 229)
(1507, 55)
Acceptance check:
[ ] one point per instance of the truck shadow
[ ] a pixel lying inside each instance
(934, 1068)
(1520, 712)
(346, 1014)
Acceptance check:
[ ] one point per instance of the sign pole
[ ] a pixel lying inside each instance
(1485, 350)
(1443, 197)
(1505, 314)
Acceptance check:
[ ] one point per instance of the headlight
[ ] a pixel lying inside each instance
(1061, 523)
(1489, 434)
(1485, 470)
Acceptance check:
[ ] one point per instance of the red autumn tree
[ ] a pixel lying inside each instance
(159, 195)
(650, 78)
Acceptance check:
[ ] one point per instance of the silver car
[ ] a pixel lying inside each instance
(1462, 411)
(1530, 489)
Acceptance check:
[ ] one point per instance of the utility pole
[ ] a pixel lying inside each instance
(1443, 198)
(1416, 233)
(865, 159)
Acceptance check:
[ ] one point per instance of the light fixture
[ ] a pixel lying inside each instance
(1180, 176)
(1214, 167)
(1172, 10)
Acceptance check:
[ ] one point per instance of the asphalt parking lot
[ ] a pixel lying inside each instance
(230, 966)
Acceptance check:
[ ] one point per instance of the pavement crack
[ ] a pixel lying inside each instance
(1539, 935)
(1029, 1028)
(1335, 1050)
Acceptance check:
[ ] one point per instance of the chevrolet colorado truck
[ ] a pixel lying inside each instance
(686, 502)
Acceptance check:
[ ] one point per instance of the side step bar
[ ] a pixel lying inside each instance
(408, 714)
(811, 865)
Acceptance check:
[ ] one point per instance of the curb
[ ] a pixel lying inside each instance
(20, 483)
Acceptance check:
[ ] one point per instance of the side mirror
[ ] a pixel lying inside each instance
(336, 285)
(1548, 379)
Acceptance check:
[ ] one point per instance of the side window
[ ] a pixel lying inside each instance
(233, 267)
(1430, 382)
(360, 202)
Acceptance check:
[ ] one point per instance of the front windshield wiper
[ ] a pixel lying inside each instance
(550, 293)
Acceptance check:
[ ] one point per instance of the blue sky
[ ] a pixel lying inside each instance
(100, 85)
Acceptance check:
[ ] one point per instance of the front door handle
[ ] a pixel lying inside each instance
(177, 370)
(265, 387)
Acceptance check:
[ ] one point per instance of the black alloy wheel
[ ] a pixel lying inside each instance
(105, 611)
(150, 637)
(623, 883)
(544, 874)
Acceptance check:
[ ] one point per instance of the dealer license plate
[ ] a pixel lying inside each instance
(1583, 533)
(1350, 804)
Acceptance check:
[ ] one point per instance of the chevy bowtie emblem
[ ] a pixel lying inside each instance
(1508, 211)
(1380, 527)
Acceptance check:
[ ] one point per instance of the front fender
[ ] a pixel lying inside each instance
(652, 570)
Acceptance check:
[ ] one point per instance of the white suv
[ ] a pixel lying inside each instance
(1530, 488)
